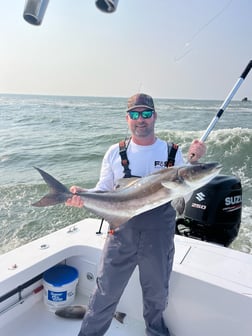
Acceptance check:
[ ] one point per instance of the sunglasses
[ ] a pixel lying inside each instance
(134, 115)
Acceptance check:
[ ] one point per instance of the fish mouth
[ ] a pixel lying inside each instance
(198, 172)
(208, 166)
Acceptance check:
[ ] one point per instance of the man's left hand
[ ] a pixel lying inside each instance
(196, 151)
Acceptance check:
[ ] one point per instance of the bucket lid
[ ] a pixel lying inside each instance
(60, 275)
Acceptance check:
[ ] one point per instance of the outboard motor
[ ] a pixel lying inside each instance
(213, 213)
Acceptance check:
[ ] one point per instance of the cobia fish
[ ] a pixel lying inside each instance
(134, 196)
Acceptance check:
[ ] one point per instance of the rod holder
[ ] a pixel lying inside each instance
(107, 6)
(34, 11)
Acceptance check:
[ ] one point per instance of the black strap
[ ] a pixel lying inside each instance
(124, 158)
(172, 150)
(123, 145)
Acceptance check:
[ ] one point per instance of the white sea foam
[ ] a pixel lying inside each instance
(68, 136)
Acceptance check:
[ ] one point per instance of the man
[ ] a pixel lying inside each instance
(145, 240)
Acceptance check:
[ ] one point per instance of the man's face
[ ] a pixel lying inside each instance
(141, 127)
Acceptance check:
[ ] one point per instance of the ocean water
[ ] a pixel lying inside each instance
(68, 136)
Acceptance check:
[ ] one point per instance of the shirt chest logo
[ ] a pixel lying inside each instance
(160, 164)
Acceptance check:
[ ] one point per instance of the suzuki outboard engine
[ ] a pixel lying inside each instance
(213, 213)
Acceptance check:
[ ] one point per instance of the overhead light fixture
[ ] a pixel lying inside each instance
(34, 11)
(107, 6)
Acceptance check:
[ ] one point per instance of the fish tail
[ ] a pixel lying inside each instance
(58, 192)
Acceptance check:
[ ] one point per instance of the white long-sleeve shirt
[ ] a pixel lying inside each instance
(143, 160)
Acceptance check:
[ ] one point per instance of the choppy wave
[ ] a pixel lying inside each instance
(67, 136)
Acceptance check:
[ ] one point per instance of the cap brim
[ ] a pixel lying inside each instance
(141, 106)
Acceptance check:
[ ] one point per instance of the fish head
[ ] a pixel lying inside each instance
(199, 174)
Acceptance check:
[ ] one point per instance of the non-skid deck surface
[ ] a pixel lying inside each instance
(41, 322)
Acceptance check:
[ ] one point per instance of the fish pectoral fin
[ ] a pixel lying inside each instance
(179, 205)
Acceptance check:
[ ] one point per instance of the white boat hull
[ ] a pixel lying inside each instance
(210, 287)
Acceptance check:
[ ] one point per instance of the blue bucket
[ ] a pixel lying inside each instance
(60, 286)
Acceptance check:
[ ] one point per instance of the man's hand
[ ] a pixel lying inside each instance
(75, 200)
(196, 151)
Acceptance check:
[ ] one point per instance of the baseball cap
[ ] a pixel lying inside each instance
(140, 100)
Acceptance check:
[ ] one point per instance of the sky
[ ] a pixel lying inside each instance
(190, 49)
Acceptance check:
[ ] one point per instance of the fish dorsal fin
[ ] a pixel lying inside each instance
(126, 182)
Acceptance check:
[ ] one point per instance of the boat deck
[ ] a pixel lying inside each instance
(39, 321)
(210, 287)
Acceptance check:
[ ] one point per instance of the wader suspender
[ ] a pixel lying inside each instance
(123, 145)
(172, 150)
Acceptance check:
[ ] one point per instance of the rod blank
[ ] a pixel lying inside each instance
(226, 102)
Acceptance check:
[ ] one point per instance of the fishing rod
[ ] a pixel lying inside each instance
(226, 102)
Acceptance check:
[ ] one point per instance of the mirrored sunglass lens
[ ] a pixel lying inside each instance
(146, 114)
(134, 115)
